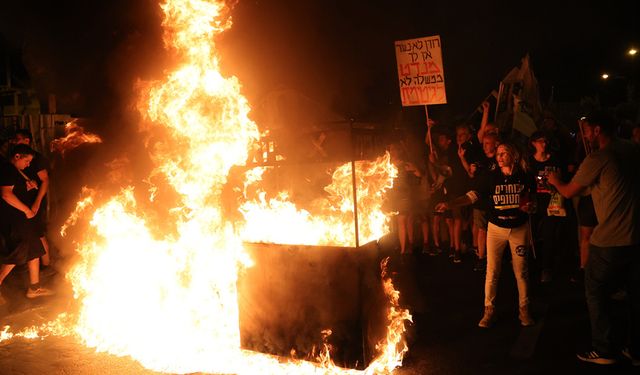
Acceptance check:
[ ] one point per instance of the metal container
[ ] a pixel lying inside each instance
(293, 293)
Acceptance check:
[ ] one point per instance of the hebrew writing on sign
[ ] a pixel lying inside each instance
(420, 71)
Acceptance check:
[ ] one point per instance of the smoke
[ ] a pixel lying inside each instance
(88, 54)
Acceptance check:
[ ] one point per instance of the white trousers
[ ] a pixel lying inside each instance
(497, 239)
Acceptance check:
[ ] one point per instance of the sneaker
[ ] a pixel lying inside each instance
(480, 265)
(488, 318)
(577, 277)
(619, 295)
(456, 257)
(546, 276)
(595, 357)
(426, 249)
(39, 292)
(634, 361)
(525, 316)
(432, 252)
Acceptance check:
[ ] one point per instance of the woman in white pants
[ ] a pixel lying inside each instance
(508, 190)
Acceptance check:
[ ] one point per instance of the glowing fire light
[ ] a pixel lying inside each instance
(74, 137)
(331, 222)
(168, 298)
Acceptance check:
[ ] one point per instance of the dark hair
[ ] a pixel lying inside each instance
(21, 149)
(534, 137)
(603, 120)
(465, 126)
(25, 133)
(537, 135)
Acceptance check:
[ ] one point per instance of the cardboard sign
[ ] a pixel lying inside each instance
(420, 71)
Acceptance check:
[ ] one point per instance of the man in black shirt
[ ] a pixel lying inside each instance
(20, 242)
(37, 171)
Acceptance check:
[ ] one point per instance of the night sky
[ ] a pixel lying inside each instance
(338, 52)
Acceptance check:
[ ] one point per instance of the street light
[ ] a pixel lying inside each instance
(604, 76)
(632, 82)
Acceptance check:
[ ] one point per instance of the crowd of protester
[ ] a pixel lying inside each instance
(566, 206)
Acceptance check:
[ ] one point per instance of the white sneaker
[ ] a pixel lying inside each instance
(39, 292)
(595, 357)
(627, 353)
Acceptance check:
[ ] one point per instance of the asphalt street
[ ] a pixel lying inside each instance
(445, 299)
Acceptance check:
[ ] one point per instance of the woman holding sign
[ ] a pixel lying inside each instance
(508, 193)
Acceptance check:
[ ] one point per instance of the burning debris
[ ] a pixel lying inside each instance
(75, 136)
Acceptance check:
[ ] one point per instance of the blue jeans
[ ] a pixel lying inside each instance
(609, 268)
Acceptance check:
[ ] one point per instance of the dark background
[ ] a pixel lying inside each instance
(340, 53)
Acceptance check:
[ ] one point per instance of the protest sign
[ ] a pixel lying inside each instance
(420, 71)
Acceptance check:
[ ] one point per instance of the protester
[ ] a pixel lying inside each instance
(486, 127)
(485, 164)
(38, 171)
(561, 143)
(585, 213)
(423, 211)
(550, 221)
(468, 150)
(402, 195)
(20, 239)
(507, 191)
(441, 161)
(614, 252)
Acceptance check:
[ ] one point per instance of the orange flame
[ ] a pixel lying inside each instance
(74, 137)
(168, 298)
(331, 221)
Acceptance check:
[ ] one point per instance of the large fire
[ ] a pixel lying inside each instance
(168, 298)
(331, 221)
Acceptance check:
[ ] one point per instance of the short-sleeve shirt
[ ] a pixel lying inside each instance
(458, 183)
(613, 177)
(504, 195)
(9, 176)
(541, 171)
(484, 165)
(38, 163)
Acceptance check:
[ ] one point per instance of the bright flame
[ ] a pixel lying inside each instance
(167, 296)
(74, 137)
(331, 219)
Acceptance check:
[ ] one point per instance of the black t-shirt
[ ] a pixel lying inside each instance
(473, 151)
(540, 171)
(38, 164)
(458, 183)
(504, 195)
(10, 176)
(484, 166)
